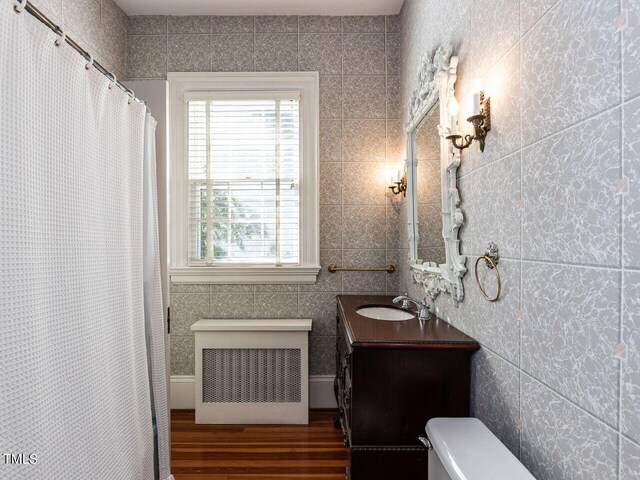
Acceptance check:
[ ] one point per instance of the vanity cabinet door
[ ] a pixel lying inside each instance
(343, 381)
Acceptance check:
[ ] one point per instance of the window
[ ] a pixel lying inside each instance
(244, 203)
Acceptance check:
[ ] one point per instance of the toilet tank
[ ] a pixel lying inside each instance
(465, 449)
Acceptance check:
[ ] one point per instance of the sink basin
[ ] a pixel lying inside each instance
(389, 314)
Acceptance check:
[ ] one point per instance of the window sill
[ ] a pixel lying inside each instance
(244, 275)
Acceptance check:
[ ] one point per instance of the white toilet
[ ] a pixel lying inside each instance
(465, 449)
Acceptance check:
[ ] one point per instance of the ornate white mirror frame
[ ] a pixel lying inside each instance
(436, 82)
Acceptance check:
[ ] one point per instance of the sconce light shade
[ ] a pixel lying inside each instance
(400, 185)
(481, 121)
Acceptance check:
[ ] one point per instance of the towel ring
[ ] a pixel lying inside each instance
(18, 5)
(491, 258)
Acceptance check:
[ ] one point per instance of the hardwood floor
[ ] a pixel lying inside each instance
(257, 452)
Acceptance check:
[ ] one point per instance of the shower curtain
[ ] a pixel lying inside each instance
(82, 373)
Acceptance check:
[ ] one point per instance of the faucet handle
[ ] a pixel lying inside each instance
(426, 304)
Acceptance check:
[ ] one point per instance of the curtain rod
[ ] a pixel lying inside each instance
(26, 5)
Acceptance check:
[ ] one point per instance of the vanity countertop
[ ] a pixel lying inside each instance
(367, 332)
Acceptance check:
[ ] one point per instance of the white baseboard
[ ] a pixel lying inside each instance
(182, 392)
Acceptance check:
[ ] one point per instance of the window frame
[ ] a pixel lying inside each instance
(185, 84)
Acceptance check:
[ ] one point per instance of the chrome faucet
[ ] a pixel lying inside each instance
(423, 307)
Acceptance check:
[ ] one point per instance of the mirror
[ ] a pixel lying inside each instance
(432, 164)
(430, 242)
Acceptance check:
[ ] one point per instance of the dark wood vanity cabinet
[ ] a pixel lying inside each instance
(391, 377)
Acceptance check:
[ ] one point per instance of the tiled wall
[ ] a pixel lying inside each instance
(99, 26)
(558, 189)
(360, 134)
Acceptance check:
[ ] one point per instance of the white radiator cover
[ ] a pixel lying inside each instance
(252, 371)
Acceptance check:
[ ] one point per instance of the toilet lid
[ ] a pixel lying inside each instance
(469, 451)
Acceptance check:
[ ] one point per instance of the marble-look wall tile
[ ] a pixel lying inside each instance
(276, 287)
(361, 226)
(392, 54)
(502, 85)
(83, 18)
(321, 53)
(321, 308)
(497, 324)
(482, 43)
(363, 24)
(319, 24)
(232, 24)
(330, 142)
(330, 96)
(276, 52)
(326, 281)
(363, 183)
(491, 205)
(393, 23)
(231, 288)
(323, 351)
(232, 53)
(331, 183)
(189, 24)
(147, 56)
(364, 96)
(188, 53)
(188, 288)
(232, 305)
(276, 305)
(548, 65)
(364, 282)
(396, 142)
(276, 24)
(578, 85)
(629, 460)
(630, 394)
(531, 12)
(631, 48)
(330, 226)
(570, 208)
(569, 333)
(186, 309)
(182, 351)
(147, 25)
(393, 280)
(558, 438)
(363, 140)
(394, 99)
(496, 397)
(363, 54)
(631, 168)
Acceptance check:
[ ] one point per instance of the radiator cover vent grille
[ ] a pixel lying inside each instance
(251, 375)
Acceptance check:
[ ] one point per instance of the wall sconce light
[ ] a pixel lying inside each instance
(400, 184)
(481, 120)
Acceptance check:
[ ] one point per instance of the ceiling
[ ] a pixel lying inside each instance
(260, 7)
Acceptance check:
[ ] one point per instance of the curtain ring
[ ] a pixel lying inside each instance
(89, 63)
(492, 265)
(62, 39)
(113, 79)
(18, 5)
(132, 96)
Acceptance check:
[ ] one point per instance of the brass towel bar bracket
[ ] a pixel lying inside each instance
(333, 268)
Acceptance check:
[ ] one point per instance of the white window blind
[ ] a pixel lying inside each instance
(243, 179)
